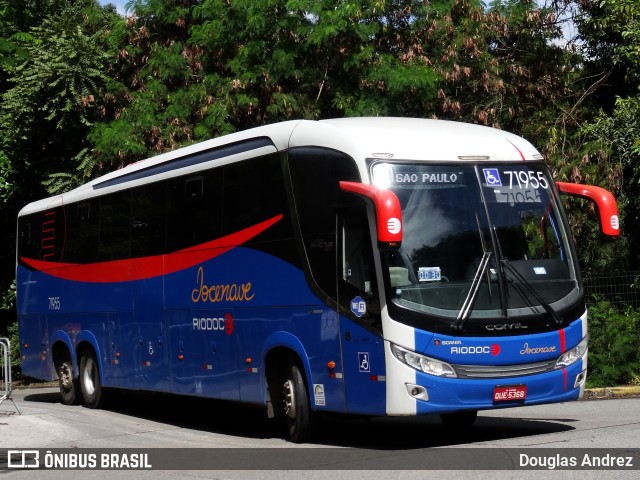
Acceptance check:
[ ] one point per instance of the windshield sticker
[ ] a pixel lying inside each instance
(358, 306)
(526, 179)
(492, 177)
(429, 274)
(516, 186)
(540, 270)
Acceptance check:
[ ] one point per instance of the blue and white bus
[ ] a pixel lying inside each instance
(370, 266)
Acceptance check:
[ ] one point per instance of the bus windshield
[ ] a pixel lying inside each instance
(480, 241)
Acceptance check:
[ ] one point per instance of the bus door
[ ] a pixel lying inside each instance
(360, 322)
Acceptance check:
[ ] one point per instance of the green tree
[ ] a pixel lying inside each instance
(598, 139)
(52, 100)
(48, 105)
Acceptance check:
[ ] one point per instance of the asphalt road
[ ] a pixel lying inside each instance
(250, 447)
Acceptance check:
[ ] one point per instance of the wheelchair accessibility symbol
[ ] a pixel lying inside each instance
(363, 362)
(492, 177)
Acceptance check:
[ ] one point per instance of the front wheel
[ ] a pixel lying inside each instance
(295, 403)
(92, 391)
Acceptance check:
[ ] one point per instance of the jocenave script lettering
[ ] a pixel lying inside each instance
(226, 292)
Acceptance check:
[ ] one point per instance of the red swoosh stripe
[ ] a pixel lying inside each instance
(148, 267)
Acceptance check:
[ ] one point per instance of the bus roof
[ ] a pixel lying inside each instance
(413, 139)
(359, 137)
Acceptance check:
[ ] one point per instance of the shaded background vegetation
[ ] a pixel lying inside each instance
(84, 90)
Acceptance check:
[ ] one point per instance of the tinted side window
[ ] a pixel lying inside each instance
(28, 230)
(194, 209)
(148, 220)
(115, 226)
(41, 236)
(254, 192)
(315, 174)
(84, 232)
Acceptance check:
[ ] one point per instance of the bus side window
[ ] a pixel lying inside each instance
(357, 260)
(148, 220)
(194, 209)
(84, 232)
(115, 226)
(315, 175)
(358, 274)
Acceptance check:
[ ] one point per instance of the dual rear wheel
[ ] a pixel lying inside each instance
(87, 387)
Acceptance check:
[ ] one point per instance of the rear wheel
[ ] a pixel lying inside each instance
(92, 391)
(296, 407)
(68, 385)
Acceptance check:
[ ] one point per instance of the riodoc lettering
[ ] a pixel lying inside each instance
(208, 323)
(227, 292)
(470, 350)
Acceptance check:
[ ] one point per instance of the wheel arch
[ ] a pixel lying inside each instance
(61, 350)
(279, 350)
(86, 342)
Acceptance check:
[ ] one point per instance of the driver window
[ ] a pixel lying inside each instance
(357, 264)
(358, 282)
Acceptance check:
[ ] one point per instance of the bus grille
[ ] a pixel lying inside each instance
(502, 371)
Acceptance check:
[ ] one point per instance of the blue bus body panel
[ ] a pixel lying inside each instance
(446, 394)
(205, 330)
(504, 350)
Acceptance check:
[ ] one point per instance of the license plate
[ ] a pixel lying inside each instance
(509, 393)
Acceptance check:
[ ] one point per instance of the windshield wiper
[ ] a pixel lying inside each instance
(467, 305)
(465, 310)
(523, 282)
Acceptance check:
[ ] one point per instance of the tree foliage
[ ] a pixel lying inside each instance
(614, 357)
(48, 104)
(185, 71)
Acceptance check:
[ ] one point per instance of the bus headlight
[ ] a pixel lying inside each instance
(423, 363)
(573, 355)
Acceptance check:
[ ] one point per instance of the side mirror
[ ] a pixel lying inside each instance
(607, 206)
(388, 211)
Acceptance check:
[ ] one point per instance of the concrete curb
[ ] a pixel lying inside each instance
(605, 393)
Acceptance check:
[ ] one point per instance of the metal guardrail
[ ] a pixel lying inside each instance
(5, 372)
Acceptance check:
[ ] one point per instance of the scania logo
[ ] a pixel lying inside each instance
(501, 327)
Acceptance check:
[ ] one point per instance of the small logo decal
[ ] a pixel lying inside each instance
(358, 306)
(318, 394)
(492, 177)
(228, 323)
(393, 225)
(363, 362)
